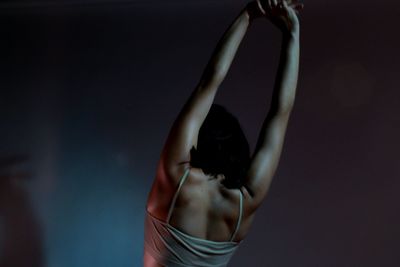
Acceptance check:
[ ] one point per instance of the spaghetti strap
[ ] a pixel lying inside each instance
(240, 216)
(183, 178)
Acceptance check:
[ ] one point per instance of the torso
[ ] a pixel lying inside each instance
(204, 207)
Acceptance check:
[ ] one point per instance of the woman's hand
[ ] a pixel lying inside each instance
(254, 11)
(282, 13)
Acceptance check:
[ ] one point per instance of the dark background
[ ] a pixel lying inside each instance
(88, 92)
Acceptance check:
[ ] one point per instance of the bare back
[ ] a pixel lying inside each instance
(204, 208)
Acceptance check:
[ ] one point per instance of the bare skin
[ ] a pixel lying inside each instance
(205, 208)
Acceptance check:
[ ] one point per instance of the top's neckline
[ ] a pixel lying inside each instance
(193, 237)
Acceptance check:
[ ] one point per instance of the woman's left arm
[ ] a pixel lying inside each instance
(184, 132)
(270, 142)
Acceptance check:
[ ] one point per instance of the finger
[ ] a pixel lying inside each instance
(293, 3)
(269, 4)
(260, 7)
(274, 3)
(298, 7)
(290, 2)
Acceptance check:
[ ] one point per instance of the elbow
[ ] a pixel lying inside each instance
(282, 107)
(212, 80)
(283, 98)
(215, 73)
(217, 78)
(286, 107)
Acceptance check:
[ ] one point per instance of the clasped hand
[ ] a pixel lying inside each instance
(282, 13)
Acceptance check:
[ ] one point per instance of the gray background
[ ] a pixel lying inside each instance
(88, 92)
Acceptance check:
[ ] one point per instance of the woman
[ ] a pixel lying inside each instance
(207, 186)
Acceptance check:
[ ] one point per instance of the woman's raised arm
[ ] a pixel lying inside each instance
(269, 145)
(184, 132)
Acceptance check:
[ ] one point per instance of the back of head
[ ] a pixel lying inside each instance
(222, 147)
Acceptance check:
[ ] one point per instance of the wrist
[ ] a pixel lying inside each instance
(291, 30)
(295, 31)
(292, 35)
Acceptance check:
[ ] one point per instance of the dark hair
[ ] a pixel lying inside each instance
(222, 147)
